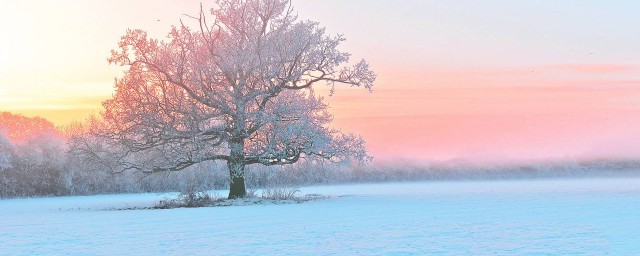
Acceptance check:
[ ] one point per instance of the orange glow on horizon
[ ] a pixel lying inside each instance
(445, 115)
(473, 114)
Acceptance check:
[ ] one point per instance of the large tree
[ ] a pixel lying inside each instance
(237, 88)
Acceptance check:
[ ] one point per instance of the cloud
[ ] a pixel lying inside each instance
(594, 68)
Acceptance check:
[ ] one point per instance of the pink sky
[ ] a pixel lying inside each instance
(474, 80)
(491, 124)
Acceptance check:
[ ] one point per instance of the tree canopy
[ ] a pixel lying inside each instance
(237, 88)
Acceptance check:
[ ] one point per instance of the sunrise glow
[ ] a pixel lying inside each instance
(455, 81)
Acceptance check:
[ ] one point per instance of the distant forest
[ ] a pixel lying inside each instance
(35, 161)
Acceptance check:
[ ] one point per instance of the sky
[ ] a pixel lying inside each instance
(457, 80)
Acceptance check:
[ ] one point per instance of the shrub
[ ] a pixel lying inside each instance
(280, 193)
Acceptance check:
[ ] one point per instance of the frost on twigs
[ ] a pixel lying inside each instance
(235, 87)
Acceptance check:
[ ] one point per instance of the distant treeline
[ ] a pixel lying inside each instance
(34, 162)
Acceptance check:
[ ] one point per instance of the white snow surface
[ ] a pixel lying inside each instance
(587, 216)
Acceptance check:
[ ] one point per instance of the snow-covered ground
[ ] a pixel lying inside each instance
(521, 217)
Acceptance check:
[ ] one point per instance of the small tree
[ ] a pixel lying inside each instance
(237, 89)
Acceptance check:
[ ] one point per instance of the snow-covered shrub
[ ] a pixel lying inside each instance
(280, 193)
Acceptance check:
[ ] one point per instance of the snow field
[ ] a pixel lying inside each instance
(516, 217)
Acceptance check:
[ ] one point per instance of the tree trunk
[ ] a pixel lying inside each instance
(237, 188)
(236, 169)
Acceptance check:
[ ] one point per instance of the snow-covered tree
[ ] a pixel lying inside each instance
(18, 128)
(238, 88)
(32, 156)
(5, 151)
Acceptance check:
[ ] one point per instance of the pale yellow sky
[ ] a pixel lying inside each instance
(53, 54)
